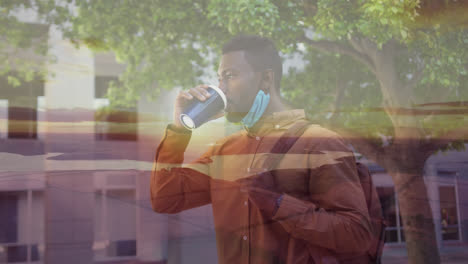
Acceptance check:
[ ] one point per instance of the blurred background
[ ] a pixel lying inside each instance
(87, 89)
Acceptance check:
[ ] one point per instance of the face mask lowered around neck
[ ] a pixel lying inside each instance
(258, 108)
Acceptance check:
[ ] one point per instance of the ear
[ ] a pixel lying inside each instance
(268, 81)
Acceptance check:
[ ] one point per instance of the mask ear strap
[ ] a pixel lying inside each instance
(264, 75)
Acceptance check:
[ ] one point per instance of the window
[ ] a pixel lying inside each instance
(101, 84)
(449, 213)
(21, 226)
(111, 123)
(3, 118)
(20, 106)
(394, 231)
(22, 122)
(115, 217)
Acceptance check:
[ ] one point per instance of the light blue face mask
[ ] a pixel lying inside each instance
(256, 111)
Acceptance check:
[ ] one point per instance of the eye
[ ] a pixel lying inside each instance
(228, 76)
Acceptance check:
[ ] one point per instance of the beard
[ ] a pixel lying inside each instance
(235, 117)
(236, 111)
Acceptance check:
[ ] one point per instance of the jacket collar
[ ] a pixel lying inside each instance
(275, 121)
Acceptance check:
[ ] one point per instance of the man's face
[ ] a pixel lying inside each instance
(240, 84)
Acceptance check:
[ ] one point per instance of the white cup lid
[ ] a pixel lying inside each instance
(221, 94)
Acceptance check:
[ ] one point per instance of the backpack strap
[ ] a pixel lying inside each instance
(284, 144)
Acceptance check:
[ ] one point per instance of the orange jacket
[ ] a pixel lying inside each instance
(322, 216)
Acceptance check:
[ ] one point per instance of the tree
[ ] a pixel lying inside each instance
(23, 46)
(390, 75)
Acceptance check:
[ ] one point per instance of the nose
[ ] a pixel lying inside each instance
(222, 86)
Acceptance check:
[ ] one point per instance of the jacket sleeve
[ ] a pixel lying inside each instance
(175, 187)
(335, 217)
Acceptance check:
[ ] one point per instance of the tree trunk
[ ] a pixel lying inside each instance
(416, 214)
(405, 161)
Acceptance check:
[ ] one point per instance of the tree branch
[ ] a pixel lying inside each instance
(357, 46)
(330, 46)
(340, 88)
(366, 47)
(365, 146)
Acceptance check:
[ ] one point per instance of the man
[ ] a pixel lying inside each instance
(310, 209)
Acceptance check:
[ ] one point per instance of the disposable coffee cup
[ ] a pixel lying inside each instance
(200, 112)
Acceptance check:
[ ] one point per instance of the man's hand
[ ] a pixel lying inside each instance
(184, 98)
(262, 192)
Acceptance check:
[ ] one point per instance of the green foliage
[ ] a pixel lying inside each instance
(336, 92)
(378, 20)
(159, 41)
(18, 37)
(389, 19)
(244, 16)
(445, 55)
(167, 44)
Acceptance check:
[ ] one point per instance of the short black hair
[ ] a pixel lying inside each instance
(260, 53)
